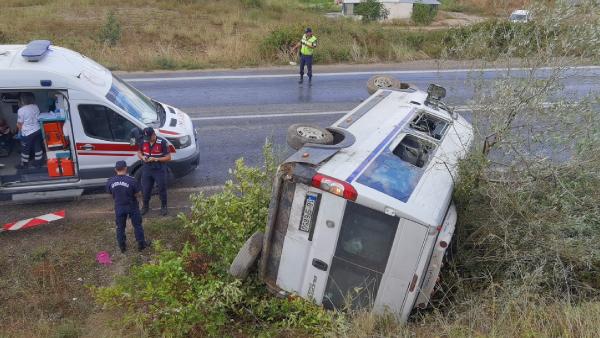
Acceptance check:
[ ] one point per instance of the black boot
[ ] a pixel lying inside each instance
(301, 79)
(310, 81)
(143, 245)
(164, 211)
(144, 210)
(123, 248)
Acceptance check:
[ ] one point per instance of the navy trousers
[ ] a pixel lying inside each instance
(32, 143)
(149, 177)
(306, 60)
(121, 215)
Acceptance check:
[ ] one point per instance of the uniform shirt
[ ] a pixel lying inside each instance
(308, 45)
(28, 116)
(123, 188)
(159, 149)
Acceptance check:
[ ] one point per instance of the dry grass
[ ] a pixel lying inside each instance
(194, 34)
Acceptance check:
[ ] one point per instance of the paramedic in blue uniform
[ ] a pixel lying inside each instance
(154, 153)
(125, 191)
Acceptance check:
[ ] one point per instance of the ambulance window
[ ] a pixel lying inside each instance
(429, 125)
(103, 123)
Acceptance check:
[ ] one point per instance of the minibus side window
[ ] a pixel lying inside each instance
(103, 123)
(429, 125)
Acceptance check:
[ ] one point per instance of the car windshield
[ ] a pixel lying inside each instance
(132, 101)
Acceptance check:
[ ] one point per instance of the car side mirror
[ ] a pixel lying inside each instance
(135, 136)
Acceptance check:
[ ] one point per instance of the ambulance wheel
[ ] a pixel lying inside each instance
(247, 256)
(299, 134)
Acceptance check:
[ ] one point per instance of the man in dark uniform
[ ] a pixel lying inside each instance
(154, 153)
(125, 190)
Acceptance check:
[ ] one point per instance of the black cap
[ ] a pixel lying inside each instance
(148, 132)
(120, 165)
(308, 30)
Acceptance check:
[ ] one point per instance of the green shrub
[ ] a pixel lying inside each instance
(190, 293)
(110, 33)
(423, 14)
(252, 3)
(280, 40)
(453, 6)
(371, 10)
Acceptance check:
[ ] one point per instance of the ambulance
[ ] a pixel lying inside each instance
(361, 215)
(90, 118)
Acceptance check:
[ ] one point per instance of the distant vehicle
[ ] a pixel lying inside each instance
(90, 119)
(521, 15)
(362, 215)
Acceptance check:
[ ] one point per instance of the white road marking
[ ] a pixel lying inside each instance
(394, 72)
(259, 116)
(458, 109)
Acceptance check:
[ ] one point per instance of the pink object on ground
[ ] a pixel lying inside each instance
(103, 258)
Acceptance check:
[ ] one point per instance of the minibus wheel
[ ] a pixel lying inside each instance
(247, 256)
(377, 82)
(300, 133)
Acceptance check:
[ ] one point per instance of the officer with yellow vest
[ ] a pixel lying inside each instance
(308, 43)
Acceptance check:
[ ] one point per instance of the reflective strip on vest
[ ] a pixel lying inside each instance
(307, 44)
(156, 150)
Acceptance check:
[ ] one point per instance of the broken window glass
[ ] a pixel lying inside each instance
(429, 125)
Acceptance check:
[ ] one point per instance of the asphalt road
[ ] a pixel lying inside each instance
(235, 111)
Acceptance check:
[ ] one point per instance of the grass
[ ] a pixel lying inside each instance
(193, 34)
(44, 285)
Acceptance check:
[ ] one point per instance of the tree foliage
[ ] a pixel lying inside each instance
(371, 10)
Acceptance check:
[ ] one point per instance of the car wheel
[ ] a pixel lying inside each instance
(247, 256)
(299, 134)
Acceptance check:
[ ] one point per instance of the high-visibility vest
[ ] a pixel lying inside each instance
(152, 151)
(308, 45)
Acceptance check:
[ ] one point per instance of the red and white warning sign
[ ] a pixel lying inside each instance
(33, 222)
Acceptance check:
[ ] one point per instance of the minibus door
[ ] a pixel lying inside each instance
(102, 137)
(362, 249)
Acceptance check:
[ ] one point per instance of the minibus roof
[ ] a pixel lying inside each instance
(65, 68)
(378, 125)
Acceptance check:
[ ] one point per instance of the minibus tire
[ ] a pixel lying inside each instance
(377, 82)
(247, 256)
(297, 141)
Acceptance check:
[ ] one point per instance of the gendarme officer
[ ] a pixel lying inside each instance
(154, 153)
(125, 191)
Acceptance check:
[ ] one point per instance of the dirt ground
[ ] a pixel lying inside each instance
(46, 272)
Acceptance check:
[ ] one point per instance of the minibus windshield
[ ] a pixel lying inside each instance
(132, 101)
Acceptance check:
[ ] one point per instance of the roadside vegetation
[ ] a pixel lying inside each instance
(196, 34)
(526, 262)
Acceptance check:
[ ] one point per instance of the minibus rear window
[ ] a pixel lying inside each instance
(361, 255)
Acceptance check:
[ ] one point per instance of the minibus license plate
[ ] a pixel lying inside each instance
(307, 214)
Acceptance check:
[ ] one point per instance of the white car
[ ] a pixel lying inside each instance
(90, 119)
(362, 213)
(521, 15)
